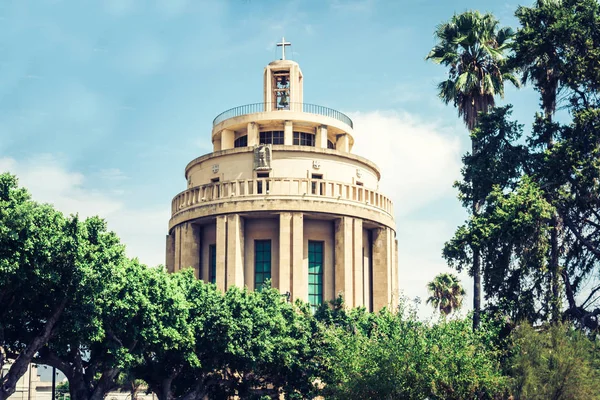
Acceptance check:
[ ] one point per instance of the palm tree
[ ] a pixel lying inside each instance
(474, 48)
(446, 293)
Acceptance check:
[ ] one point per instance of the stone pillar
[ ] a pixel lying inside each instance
(190, 247)
(299, 268)
(343, 260)
(170, 259)
(321, 137)
(285, 251)
(288, 133)
(395, 290)
(343, 143)
(217, 145)
(253, 136)
(357, 277)
(227, 139)
(177, 248)
(381, 268)
(235, 251)
(221, 251)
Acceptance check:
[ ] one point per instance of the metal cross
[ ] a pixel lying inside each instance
(282, 45)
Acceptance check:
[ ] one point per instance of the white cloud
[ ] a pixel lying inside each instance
(420, 243)
(419, 160)
(49, 181)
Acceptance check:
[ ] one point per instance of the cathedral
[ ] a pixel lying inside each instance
(282, 198)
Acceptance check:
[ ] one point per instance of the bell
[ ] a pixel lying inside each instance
(283, 101)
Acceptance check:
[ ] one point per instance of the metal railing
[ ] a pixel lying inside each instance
(280, 187)
(297, 107)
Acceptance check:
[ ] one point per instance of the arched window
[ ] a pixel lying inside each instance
(304, 139)
(330, 145)
(242, 141)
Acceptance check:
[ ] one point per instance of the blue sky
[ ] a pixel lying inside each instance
(103, 103)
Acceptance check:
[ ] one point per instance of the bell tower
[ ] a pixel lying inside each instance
(283, 84)
(282, 199)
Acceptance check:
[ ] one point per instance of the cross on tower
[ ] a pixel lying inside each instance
(282, 45)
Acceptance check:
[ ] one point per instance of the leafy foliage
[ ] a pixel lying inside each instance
(556, 362)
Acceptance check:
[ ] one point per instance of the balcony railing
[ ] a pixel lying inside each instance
(297, 107)
(281, 187)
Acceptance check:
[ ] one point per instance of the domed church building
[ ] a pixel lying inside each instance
(283, 198)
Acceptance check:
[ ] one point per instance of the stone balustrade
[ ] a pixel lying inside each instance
(281, 188)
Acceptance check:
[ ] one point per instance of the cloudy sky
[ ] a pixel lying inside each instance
(103, 103)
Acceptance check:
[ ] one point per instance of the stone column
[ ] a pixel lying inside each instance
(217, 144)
(253, 136)
(343, 143)
(177, 248)
(190, 247)
(227, 139)
(235, 251)
(221, 251)
(285, 251)
(395, 291)
(288, 133)
(381, 268)
(357, 277)
(170, 258)
(299, 268)
(343, 260)
(321, 137)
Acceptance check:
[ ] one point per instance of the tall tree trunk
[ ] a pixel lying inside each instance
(19, 367)
(555, 228)
(476, 207)
(476, 277)
(555, 272)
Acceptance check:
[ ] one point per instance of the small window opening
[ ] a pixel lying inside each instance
(317, 187)
(259, 183)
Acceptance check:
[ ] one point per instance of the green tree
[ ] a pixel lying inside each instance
(474, 47)
(400, 357)
(44, 261)
(446, 293)
(247, 344)
(554, 362)
(136, 306)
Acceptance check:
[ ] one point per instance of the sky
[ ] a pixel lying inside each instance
(103, 103)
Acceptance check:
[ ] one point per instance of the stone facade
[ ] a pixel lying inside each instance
(282, 197)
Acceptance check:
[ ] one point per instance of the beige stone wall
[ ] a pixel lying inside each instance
(285, 164)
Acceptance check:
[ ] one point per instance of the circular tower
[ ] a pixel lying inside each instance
(282, 198)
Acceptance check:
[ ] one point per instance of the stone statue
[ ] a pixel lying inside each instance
(262, 157)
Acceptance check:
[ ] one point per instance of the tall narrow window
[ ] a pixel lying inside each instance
(315, 273)
(330, 145)
(262, 263)
(212, 263)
